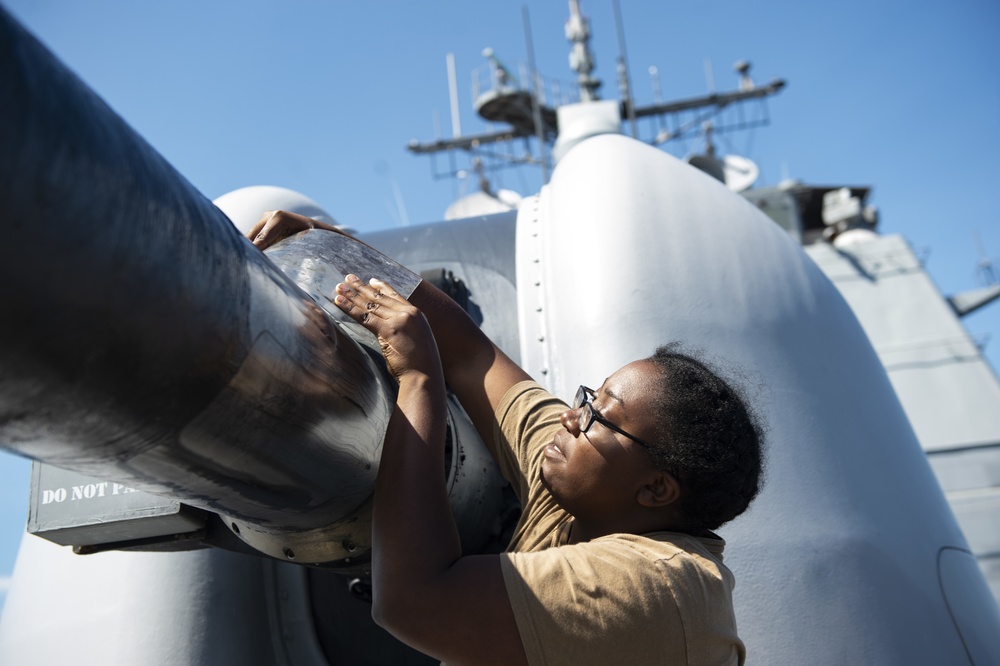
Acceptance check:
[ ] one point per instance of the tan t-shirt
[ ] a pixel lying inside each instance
(659, 598)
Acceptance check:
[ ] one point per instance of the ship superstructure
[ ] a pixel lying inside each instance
(950, 392)
(946, 385)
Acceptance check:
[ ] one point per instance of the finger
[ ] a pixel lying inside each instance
(384, 303)
(267, 236)
(254, 230)
(344, 300)
(372, 319)
(277, 225)
(270, 229)
(258, 226)
(366, 291)
(385, 288)
(378, 291)
(361, 305)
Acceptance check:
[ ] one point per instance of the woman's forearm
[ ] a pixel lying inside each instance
(415, 540)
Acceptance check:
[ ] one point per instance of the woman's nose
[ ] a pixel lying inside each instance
(571, 421)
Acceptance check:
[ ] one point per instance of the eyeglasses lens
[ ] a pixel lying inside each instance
(582, 402)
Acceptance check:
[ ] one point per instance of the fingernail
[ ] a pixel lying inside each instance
(375, 281)
(343, 288)
(340, 300)
(353, 278)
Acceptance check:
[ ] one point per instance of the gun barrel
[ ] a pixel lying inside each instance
(143, 340)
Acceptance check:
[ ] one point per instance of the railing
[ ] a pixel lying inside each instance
(494, 76)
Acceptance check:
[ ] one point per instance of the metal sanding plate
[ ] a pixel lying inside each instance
(316, 260)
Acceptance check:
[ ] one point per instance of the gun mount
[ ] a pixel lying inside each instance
(146, 342)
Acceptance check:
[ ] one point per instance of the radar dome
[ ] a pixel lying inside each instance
(246, 205)
(482, 203)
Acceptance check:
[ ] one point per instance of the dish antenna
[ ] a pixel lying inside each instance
(737, 172)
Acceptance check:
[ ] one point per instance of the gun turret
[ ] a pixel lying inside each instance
(144, 341)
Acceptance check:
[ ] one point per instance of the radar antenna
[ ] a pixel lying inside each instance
(985, 273)
(624, 81)
(581, 60)
(536, 106)
(527, 106)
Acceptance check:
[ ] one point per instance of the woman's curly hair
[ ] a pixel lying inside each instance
(710, 439)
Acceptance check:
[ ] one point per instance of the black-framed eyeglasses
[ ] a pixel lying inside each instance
(585, 399)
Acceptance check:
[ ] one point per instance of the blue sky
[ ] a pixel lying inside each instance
(323, 96)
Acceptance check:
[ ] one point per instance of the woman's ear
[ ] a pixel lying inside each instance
(660, 489)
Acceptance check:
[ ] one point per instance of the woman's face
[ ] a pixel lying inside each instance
(596, 475)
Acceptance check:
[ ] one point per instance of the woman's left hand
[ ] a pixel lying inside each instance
(402, 331)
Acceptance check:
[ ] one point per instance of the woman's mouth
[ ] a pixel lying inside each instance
(553, 452)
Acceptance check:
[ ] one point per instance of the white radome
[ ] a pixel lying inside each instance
(246, 205)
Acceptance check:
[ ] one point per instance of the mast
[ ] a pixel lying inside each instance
(581, 60)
